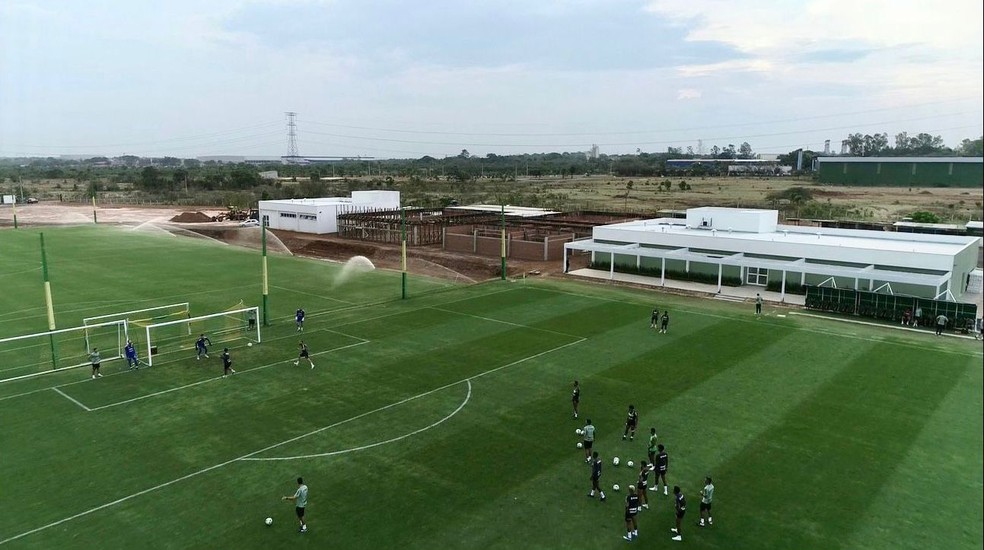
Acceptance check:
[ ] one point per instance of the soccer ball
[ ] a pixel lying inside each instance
(249, 345)
(579, 444)
(630, 464)
(578, 431)
(269, 521)
(615, 487)
(615, 461)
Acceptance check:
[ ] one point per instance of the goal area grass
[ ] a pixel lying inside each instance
(445, 420)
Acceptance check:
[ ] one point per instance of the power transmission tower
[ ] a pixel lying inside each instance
(291, 137)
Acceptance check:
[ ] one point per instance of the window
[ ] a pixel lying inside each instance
(308, 217)
(288, 215)
(758, 276)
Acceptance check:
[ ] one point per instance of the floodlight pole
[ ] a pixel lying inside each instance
(266, 287)
(14, 206)
(503, 252)
(48, 304)
(94, 205)
(403, 249)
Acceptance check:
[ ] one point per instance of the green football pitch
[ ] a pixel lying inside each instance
(444, 420)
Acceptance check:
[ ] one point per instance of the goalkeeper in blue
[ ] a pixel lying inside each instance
(130, 352)
(201, 347)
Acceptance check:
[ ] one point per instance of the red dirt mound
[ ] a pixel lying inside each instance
(191, 217)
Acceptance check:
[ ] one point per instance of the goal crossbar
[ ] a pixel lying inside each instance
(248, 312)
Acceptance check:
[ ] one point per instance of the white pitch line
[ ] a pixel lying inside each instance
(371, 445)
(207, 380)
(490, 319)
(312, 294)
(72, 399)
(274, 446)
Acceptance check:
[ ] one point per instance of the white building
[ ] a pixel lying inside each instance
(751, 246)
(321, 215)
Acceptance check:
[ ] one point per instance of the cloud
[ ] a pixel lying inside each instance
(688, 93)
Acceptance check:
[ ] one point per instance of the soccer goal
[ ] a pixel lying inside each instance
(56, 350)
(146, 316)
(222, 329)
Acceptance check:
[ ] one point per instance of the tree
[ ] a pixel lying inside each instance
(715, 151)
(464, 154)
(924, 217)
(745, 151)
(972, 148)
(150, 178)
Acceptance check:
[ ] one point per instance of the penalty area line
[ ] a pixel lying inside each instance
(274, 446)
(72, 399)
(371, 445)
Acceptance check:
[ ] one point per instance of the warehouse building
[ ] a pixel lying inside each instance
(902, 171)
(749, 247)
(320, 215)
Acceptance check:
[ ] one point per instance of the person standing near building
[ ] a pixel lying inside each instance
(706, 496)
(941, 322)
(299, 319)
(596, 476)
(300, 499)
(588, 432)
(680, 504)
(576, 397)
(758, 304)
(631, 510)
(95, 360)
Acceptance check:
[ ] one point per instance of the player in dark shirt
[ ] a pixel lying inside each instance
(644, 470)
(227, 363)
(654, 318)
(596, 476)
(631, 421)
(681, 510)
(576, 397)
(662, 463)
(631, 509)
(664, 321)
(303, 354)
(201, 346)
(299, 319)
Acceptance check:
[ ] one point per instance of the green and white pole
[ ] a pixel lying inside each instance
(403, 249)
(14, 206)
(48, 304)
(266, 278)
(503, 253)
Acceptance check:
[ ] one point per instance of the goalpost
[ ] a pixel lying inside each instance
(220, 328)
(146, 315)
(56, 350)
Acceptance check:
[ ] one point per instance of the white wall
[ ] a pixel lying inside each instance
(752, 221)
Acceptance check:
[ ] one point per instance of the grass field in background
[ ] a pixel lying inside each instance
(444, 420)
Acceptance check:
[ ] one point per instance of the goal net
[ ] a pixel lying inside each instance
(223, 329)
(44, 352)
(146, 316)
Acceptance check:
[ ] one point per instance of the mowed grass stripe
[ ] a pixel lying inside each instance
(871, 412)
(934, 494)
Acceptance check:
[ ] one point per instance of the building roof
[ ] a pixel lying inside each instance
(514, 211)
(322, 201)
(941, 160)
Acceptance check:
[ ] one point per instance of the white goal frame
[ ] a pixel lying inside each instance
(88, 321)
(121, 336)
(245, 310)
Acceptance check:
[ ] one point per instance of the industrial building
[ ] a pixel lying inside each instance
(902, 171)
(749, 247)
(320, 215)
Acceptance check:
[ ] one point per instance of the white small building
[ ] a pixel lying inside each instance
(750, 246)
(320, 215)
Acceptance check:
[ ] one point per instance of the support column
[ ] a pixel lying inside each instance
(611, 266)
(662, 272)
(720, 271)
(855, 283)
(782, 292)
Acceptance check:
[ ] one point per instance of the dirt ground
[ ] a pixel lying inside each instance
(428, 260)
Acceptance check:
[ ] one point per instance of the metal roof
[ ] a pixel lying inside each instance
(874, 160)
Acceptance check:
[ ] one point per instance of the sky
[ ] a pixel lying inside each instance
(401, 79)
